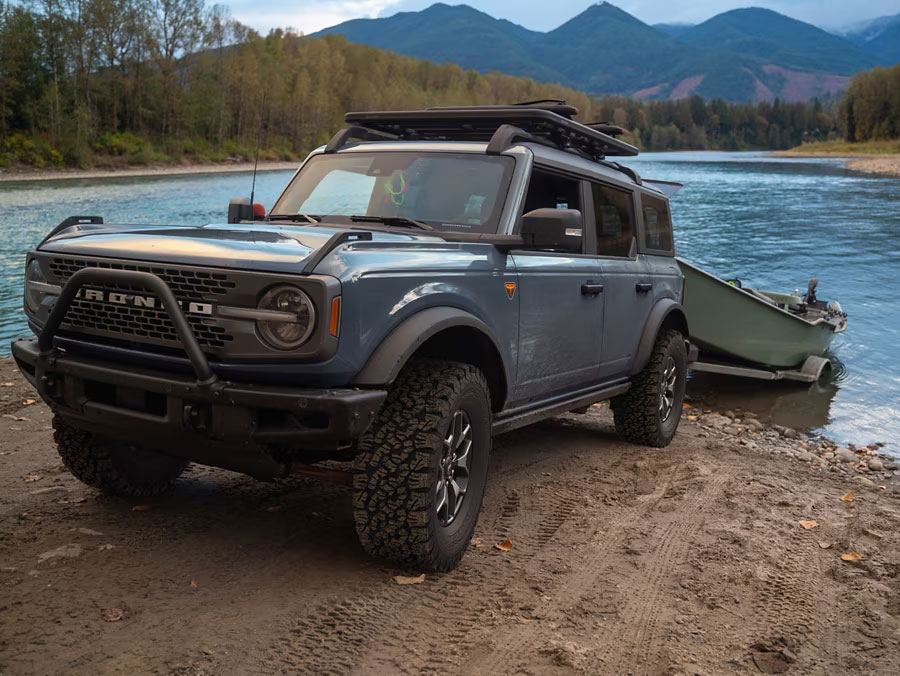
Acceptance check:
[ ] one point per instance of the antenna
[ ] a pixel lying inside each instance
(258, 142)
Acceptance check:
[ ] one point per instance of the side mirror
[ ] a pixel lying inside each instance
(553, 229)
(240, 209)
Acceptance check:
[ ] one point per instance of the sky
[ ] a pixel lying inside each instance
(309, 16)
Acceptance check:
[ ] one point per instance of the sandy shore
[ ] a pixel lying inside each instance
(885, 165)
(16, 175)
(737, 550)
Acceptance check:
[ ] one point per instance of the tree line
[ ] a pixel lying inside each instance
(88, 82)
(871, 107)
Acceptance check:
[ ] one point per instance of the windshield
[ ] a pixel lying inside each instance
(459, 192)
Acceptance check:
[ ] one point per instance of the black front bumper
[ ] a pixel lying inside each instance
(220, 423)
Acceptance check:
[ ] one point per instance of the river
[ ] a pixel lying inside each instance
(772, 222)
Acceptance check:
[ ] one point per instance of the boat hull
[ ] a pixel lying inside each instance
(729, 321)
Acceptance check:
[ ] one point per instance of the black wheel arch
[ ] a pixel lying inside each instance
(666, 314)
(443, 333)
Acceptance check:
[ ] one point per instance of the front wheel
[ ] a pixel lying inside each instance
(115, 467)
(419, 479)
(649, 412)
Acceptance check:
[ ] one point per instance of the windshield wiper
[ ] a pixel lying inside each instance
(309, 218)
(392, 220)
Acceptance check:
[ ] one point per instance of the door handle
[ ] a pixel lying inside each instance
(643, 287)
(591, 289)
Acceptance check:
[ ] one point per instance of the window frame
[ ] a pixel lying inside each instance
(642, 238)
(592, 227)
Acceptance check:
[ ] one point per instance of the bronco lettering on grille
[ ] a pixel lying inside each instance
(138, 301)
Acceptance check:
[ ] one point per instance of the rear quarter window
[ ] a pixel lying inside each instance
(657, 223)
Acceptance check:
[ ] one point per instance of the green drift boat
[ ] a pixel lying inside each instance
(760, 327)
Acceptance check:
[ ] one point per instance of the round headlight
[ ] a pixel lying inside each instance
(33, 297)
(295, 329)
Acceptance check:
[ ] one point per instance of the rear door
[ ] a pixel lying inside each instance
(560, 304)
(612, 234)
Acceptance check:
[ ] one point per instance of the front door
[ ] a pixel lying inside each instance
(560, 305)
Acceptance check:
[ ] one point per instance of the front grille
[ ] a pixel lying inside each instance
(145, 324)
(185, 284)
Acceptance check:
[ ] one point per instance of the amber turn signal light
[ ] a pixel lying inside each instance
(334, 324)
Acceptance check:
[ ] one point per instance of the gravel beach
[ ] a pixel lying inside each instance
(18, 175)
(740, 549)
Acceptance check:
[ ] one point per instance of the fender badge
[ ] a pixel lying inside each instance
(510, 289)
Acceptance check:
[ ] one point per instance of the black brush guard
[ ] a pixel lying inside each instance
(204, 419)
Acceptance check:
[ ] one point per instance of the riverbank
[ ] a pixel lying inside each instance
(730, 552)
(28, 174)
(873, 157)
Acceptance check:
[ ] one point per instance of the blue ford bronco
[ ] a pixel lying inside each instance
(425, 281)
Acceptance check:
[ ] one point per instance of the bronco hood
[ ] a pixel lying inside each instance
(253, 246)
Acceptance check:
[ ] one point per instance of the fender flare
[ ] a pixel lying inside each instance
(402, 342)
(665, 310)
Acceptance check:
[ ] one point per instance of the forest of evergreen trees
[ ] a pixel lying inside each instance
(114, 82)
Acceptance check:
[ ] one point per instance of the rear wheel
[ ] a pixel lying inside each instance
(649, 412)
(114, 467)
(420, 477)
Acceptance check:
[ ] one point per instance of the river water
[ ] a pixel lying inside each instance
(772, 222)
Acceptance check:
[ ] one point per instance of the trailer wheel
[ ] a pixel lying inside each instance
(649, 412)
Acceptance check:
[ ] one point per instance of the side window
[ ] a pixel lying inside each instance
(546, 190)
(657, 223)
(614, 217)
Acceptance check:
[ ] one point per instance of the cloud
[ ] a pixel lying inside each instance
(307, 17)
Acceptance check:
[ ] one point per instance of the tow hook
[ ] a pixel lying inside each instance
(195, 418)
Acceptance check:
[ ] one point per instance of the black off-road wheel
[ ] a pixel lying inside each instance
(419, 478)
(649, 412)
(116, 468)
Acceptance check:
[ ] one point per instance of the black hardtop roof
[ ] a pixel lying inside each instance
(547, 123)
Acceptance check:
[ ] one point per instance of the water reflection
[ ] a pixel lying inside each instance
(798, 405)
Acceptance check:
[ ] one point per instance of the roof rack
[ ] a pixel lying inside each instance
(548, 123)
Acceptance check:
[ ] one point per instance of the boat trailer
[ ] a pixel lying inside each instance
(809, 372)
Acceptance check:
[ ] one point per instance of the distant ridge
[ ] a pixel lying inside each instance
(748, 54)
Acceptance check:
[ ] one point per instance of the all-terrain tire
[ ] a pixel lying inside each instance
(638, 414)
(115, 468)
(396, 490)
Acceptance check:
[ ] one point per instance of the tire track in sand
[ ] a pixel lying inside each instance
(637, 641)
(338, 635)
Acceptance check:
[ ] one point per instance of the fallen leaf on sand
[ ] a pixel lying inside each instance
(29, 402)
(7, 384)
(194, 585)
(17, 418)
(687, 405)
(847, 498)
(824, 545)
(692, 418)
(142, 508)
(403, 579)
(113, 614)
(33, 477)
(809, 524)
(504, 546)
(851, 556)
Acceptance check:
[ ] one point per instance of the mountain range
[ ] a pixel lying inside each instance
(748, 54)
